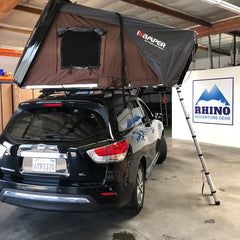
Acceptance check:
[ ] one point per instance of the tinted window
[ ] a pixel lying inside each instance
(124, 117)
(136, 112)
(132, 104)
(58, 123)
(147, 114)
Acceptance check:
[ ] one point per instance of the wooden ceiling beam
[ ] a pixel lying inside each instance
(168, 11)
(224, 26)
(204, 30)
(15, 29)
(28, 9)
(6, 6)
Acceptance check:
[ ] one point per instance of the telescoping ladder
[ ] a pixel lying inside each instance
(200, 154)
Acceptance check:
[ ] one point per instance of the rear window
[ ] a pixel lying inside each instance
(58, 123)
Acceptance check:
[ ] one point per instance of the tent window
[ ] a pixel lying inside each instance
(80, 49)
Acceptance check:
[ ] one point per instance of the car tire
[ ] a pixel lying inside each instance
(162, 150)
(139, 190)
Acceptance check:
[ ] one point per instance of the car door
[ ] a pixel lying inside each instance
(149, 130)
(143, 131)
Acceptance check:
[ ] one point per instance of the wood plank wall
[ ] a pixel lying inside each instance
(10, 97)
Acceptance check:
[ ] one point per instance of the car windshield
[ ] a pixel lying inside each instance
(58, 123)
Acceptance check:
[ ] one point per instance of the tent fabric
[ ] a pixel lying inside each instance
(154, 54)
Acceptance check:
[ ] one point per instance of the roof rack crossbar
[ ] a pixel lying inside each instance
(105, 92)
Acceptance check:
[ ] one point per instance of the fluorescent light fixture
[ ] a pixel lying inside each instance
(225, 5)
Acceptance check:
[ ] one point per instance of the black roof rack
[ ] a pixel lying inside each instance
(74, 91)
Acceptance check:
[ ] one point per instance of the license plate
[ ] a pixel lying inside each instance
(47, 165)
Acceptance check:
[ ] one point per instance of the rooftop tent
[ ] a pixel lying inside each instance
(74, 46)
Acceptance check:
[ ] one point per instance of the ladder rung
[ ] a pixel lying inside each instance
(198, 148)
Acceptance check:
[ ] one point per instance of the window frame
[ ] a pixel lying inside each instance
(65, 59)
(149, 118)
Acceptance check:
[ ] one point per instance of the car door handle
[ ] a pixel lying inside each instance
(153, 130)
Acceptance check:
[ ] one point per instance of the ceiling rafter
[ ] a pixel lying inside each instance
(224, 26)
(168, 11)
(15, 29)
(204, 30)
(28, 9)
(6, 6)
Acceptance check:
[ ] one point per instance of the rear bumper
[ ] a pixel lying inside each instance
(47, 201)
(52, 198)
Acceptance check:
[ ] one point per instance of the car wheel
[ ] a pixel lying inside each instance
(162, 150)
(139, 191)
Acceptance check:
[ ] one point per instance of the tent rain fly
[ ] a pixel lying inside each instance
(74, 46)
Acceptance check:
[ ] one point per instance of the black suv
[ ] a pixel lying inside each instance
(71, 151)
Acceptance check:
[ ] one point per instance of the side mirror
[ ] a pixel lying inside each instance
(146, 121)
(158, 116)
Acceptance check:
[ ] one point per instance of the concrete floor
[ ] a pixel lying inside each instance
(174, 208)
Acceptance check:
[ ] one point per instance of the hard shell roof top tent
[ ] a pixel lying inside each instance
(73, 45)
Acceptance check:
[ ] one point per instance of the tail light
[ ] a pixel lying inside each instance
(53, 105)
(110, 153)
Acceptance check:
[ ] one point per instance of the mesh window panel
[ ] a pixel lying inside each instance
(80, 49)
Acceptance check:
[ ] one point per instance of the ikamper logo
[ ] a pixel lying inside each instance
(213, 101)
(151, 40)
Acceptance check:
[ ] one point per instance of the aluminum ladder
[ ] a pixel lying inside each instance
(199, 151)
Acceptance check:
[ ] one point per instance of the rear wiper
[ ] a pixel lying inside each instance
(56, 135)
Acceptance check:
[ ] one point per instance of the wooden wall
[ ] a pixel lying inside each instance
(10, 97)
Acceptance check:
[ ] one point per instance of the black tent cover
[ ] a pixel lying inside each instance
(168, 51)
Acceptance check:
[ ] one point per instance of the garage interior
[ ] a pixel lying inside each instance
(174, 206)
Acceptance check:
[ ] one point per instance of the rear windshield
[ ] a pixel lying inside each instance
(58, 123)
